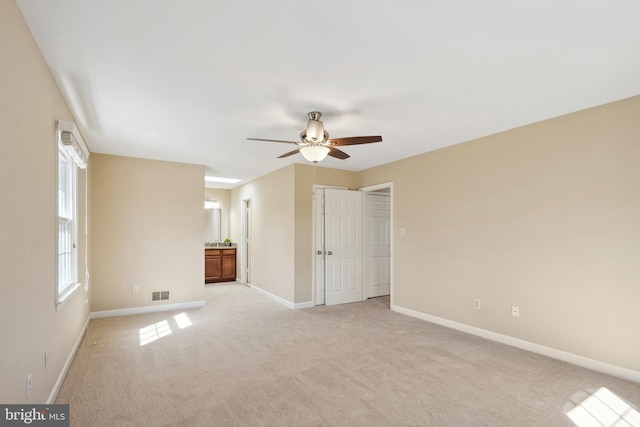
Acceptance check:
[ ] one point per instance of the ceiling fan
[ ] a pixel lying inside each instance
(315, 144)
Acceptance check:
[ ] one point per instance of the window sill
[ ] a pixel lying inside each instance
(64, 297)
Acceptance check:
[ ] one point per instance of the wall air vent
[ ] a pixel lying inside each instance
(159, 295)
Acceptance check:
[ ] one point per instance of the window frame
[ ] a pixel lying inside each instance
(67, 257)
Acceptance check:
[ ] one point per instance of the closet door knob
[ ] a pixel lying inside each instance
(329, 253)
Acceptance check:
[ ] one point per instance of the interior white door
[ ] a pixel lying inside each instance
(343, 246)
(318, 200)
(377, 277)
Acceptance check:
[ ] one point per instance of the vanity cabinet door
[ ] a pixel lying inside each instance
(228, 265)
(212, 265)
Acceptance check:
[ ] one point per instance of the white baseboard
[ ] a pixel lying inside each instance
(147, 309)
(585, 362)
(67, 364)
(276, 298)
(300, 305)
(286, 303)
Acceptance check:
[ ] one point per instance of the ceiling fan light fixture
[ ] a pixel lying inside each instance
(314, 153)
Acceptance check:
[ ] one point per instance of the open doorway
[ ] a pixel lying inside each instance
(378, 245)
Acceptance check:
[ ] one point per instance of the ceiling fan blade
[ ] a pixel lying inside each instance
(354, 140)
(291, 153)
(273, 140)
(338, 154)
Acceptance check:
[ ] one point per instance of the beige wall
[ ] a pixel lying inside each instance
(272, 237)
(546, 217)
(147, 228)
(222, 196)
(29, 322)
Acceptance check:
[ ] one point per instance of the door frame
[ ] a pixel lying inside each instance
(370, 189)
(381, 230)
(245, 233)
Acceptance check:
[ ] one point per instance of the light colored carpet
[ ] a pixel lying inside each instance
(247, 361)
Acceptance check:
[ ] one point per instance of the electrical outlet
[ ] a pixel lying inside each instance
(135, 289)
(29, 384)
(515, 311)
(402, 231)
(476, 304)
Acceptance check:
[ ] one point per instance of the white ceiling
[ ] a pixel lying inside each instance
(190, 80)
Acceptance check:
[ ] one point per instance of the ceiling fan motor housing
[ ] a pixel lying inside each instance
(315, 133)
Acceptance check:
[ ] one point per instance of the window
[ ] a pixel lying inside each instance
(67, 225)
(72, 154)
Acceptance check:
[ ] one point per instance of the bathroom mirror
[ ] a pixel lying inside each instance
(216, 229)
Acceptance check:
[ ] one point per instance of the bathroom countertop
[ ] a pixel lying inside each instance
(233, 246)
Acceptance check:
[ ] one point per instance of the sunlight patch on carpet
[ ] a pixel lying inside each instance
(604, 408)
(161, 329)
(153, 332)
(182, 320)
